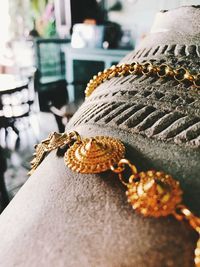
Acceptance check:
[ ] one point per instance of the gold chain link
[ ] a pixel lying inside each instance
(149, 69)
(120, 168)
(181, 212)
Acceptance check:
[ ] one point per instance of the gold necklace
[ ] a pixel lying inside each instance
(148, 69)
(151, 193)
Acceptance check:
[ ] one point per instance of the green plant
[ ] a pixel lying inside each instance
(38, 6)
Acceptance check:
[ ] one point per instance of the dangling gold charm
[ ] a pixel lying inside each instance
(154, 193)
(41, 150)
(53, 141)
(94, 155)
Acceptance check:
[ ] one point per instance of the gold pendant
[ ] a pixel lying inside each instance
(94, 155)
(154, 193)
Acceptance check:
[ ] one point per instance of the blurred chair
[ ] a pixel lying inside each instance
(4, 199)
(19, 127)
(16, 105)
(50, 81)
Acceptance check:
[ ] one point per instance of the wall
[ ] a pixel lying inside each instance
(138, 15)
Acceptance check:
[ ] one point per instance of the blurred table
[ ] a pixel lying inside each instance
(93, 60)
(10, 82)
(16, 102)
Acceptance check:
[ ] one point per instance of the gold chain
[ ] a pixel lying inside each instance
(149, 69)
(139, 195)
(151, 193)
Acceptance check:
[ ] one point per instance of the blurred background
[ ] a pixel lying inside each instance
(49, 49)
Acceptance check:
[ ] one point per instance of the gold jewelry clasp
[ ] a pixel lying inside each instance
(119, 169)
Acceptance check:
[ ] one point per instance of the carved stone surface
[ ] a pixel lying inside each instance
(152, 113)
(61, 218)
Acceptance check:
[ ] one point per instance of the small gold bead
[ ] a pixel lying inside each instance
(189, 77)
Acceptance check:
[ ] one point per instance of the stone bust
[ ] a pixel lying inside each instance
(61, 218)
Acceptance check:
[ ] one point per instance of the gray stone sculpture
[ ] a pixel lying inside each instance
(158, 118)
(61, 218)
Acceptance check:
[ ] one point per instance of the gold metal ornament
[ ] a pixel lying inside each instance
(94, 155)
(53, 141)
(41, 150)
(146, 68)
(154, 193)
(197, 254)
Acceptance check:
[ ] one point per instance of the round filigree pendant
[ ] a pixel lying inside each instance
(94, 155)
(154, 193)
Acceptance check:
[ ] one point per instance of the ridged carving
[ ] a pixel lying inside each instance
(166, 50)
(156, 108)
